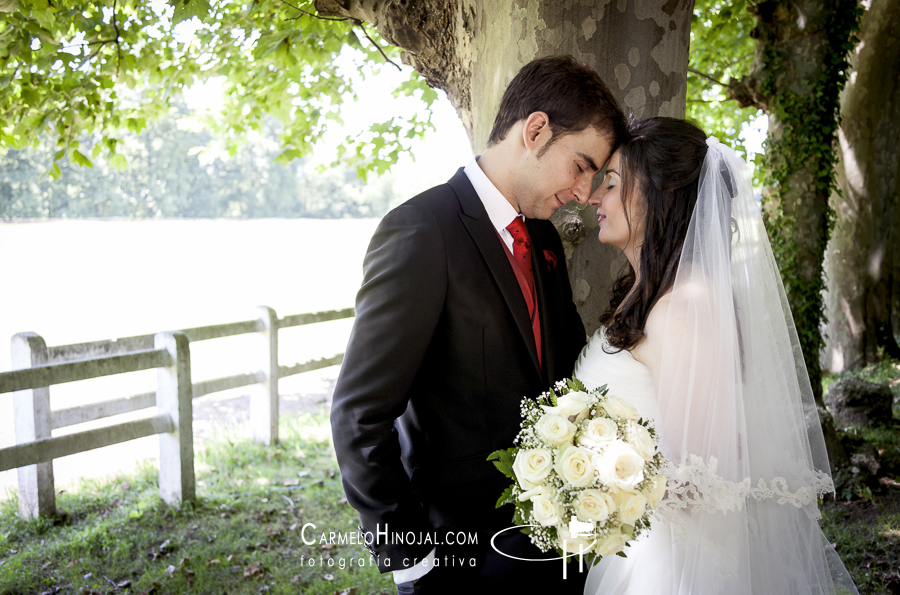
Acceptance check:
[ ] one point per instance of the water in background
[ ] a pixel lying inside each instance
(86, 280)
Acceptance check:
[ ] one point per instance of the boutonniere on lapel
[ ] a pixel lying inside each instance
(550, 257)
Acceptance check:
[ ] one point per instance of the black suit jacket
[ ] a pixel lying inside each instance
(440, 356)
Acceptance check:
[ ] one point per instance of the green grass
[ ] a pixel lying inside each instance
(867, 534)
(242, 535)
(866, 524)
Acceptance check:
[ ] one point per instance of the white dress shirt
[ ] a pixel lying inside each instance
(501, 214)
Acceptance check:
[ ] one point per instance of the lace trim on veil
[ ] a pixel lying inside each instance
(697, 486)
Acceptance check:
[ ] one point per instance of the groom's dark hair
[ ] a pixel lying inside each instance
(572, 95)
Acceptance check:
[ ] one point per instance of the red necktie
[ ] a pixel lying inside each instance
(522, 249)
(522, 258)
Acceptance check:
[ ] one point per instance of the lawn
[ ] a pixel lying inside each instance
(245, 533)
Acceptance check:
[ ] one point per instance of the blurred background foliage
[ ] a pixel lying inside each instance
(93, 122)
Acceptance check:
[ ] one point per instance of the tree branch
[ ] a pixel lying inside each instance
(356, 22)
(747, 94)
(309, 14)
(738, 59)
(117, 40)
(706, 76)
(378, 47)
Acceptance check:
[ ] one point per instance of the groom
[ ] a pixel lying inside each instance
(464, 309)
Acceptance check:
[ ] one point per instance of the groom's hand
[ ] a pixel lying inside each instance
(425, 585)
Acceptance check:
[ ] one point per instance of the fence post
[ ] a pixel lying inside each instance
(32, 422)
(174, 396)
(264, 397)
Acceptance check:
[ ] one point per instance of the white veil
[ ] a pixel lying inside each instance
(737, 417)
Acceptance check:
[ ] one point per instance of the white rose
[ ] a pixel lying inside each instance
(555, 430)
(656, 491)
(631, 506)
(594, 505)
(641, 440)
(545, 511)
(572, 406)
(573, 544)
(573, 464)
(529, 494)
(599, 431)
(619, 408)
(611, 544)
(532, 466)
(620, 467)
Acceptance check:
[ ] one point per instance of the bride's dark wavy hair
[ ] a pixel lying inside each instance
(660, 160)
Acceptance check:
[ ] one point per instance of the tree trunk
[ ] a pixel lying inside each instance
(799, 69)
(472, 48)
(863, 258)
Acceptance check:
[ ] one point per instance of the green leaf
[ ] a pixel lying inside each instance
(80, 159)
(118, 161)
(506, 497)
(187, 9)
(576, 384)
(495, 456)
(505, 469)
(429, 96)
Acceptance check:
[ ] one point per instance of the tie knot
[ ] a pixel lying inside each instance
(518, 230)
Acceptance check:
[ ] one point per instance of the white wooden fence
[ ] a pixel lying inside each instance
(36, 367)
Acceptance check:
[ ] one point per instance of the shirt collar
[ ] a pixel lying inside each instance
(499, 211)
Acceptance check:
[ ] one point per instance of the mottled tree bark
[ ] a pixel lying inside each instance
(472, 48)
(863, 258)
(796, 52)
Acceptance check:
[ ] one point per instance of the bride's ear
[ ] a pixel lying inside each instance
(536, 131)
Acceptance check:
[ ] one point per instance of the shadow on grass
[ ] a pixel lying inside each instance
(243, 534)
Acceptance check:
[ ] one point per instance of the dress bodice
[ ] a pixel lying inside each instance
(625, 377)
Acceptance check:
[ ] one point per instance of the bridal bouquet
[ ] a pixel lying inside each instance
(586, 471)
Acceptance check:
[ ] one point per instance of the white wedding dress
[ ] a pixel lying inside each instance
(648, 567)
(731, 401)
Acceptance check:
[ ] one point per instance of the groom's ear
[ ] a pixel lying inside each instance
(537, 125)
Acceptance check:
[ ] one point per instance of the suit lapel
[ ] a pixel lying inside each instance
(547, 305)
(484, 234)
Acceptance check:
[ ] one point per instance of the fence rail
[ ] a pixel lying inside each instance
(36, 367)
(95, 367)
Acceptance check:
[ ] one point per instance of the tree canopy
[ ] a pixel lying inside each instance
(71, 67)
(722, 50)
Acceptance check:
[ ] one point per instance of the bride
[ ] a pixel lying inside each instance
(699, 337)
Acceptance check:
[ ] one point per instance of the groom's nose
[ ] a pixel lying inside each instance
(582, 188)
